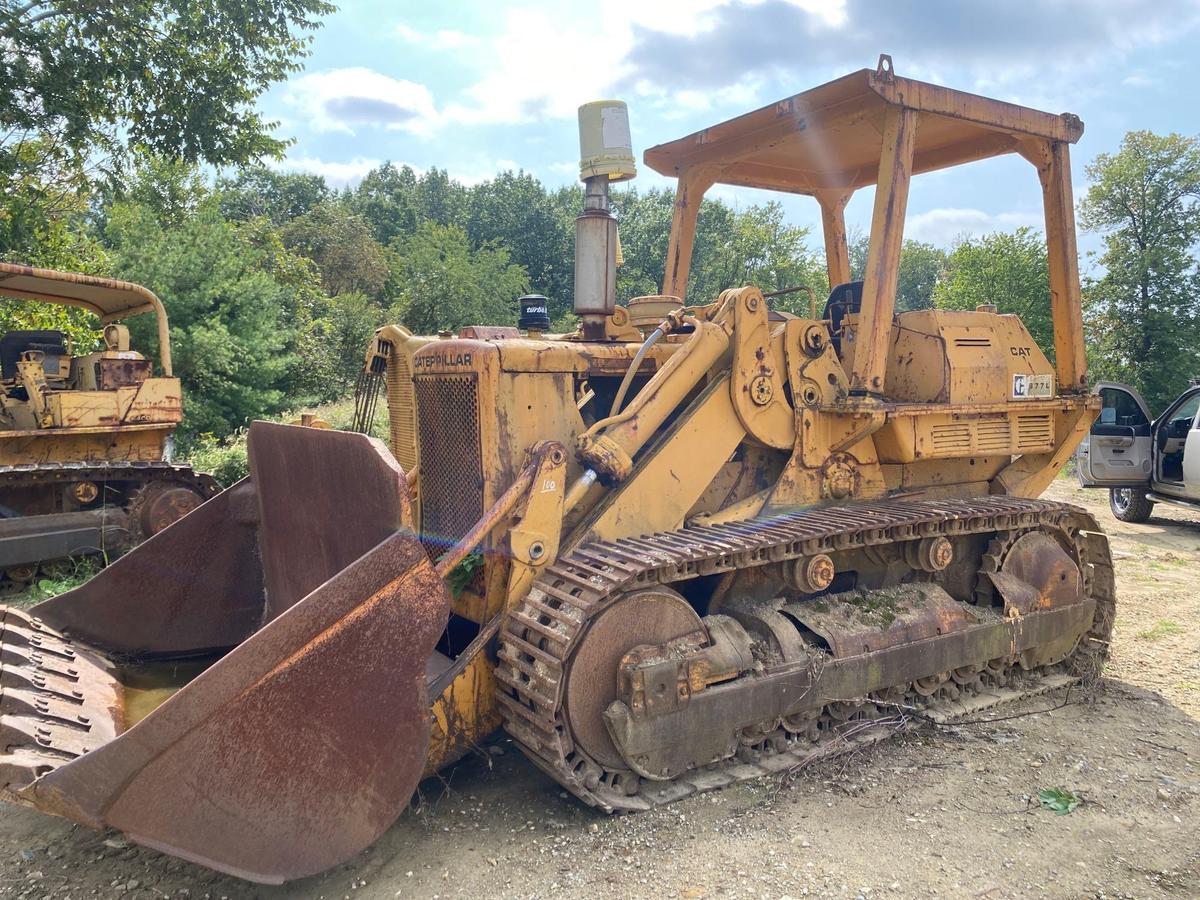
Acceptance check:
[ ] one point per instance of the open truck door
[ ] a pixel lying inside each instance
(1118, 451)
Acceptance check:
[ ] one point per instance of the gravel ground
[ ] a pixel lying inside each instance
(943, 811)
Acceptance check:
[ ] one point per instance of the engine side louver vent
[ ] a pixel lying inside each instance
(993, 436)
(950, 439)
(1035, 432)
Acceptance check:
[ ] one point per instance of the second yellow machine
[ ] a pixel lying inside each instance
(693, 542)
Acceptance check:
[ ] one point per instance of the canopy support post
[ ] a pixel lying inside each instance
(1052, 159)
(833, 223)
(874, 331)
(688, 195)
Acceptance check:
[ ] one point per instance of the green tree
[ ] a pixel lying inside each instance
(386, 198)
(752, 246)
(1144, 311)
(318, 369)
(341, 245)
(394, 201)
(277, 196)
(644, 226)
(439, 198)
(1005, 269)
(921, 265)
(445, 285)
(87, 81)
(514, 211)
(231, 336)
(46, 224)
(172, 190)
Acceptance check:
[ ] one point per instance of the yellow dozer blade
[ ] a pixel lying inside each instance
(247, 689)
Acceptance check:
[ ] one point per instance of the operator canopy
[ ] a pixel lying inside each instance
(828, 138)
(107, 298)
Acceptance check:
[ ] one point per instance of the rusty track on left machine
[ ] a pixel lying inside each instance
(543, 630)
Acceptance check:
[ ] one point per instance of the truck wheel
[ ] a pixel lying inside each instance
(1130, 504)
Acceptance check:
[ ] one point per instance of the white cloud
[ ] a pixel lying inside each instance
(1139, 79)
(482, 170)
(584, 58)
(944, 225)
(337, 174)
(342, 99)
(343, 174)
(573, 63)
(997, 42)
(443, 39)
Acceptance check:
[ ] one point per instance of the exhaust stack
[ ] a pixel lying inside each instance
(606, 155)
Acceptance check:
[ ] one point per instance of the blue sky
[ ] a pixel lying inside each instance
(478, 87)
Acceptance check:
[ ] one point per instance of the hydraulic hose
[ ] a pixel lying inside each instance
(634, 366)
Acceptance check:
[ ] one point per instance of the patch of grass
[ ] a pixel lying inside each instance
(63, 577)
(1160, 629)
(1059, 800)
(1190, 686)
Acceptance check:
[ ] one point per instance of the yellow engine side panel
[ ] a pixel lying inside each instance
(943, 435)
(139, 443)
(950, 356)
(154, 401)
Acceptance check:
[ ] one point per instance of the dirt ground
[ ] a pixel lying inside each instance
(940, 812)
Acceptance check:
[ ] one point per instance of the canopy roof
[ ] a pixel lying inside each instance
(829, 138)
(107, 298)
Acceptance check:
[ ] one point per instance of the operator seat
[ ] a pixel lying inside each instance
(53, 345)
(843, 300)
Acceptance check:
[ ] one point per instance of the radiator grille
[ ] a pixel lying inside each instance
(1035, 432)
(451, 477)
(402, 410)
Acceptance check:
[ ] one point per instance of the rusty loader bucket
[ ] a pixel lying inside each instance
(247, 689)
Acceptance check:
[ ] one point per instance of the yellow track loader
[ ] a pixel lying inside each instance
(694, 542)
(84, 436)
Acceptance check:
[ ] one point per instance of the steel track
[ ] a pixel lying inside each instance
(142, 473)
(542, 632)
(31, 474)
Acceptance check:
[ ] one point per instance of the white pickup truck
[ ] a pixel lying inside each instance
(1143, 461)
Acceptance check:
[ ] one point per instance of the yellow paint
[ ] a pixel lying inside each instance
(736, 414)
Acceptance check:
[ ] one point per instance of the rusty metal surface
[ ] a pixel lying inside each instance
(57, 702)
(195, 587)
(488, 332)
(115, 373)
(828, 137)
(1037, 573)
(643, 617)
(325, 498)
(451, 457)
(27, 540)
(295, 751)
(707, 728)
(34, 491)
(164, 506)
(860, 622)
(303, 743)
(106, 297)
